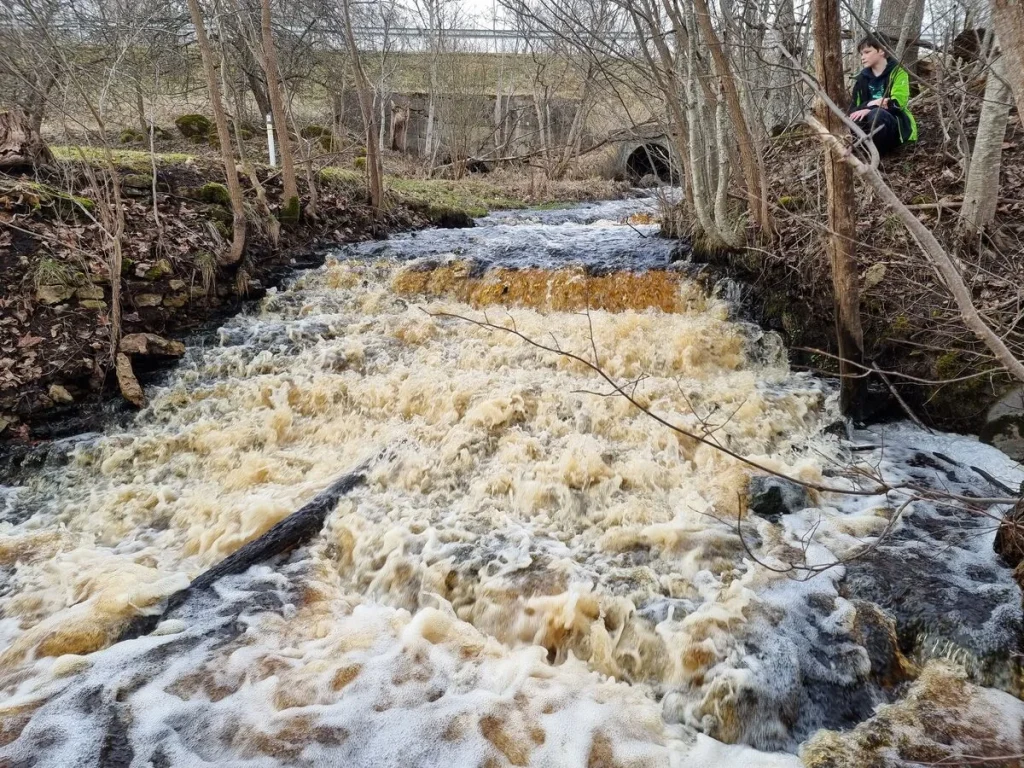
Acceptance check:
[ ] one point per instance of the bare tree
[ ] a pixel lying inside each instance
(290, 196)
(234, 255)
(374, 168)
(982, 190)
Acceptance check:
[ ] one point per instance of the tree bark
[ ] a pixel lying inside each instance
(290, 194)
(982, 192)
(900, 22)
(20, 145)
(1008, 19)
(842, 212)
(750, 155)
(223, 136)
(375, 172)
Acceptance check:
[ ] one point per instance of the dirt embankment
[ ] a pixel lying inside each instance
(912, 327)
(56, 359)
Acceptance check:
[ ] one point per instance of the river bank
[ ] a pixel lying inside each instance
(57, 369)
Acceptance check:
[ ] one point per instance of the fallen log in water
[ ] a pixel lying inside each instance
(295, 529)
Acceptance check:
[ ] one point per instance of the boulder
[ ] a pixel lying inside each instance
(93, 292)
(54, 294)
(60, 394)
(131, 390)
(772, 497)
(149, 300)
(194, 126)
(150, 344)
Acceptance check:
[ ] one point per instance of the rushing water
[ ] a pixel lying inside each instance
(535, 572)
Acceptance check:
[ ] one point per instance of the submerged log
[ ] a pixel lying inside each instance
(296, 529)
(20, 145)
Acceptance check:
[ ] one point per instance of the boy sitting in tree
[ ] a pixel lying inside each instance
(880, 95)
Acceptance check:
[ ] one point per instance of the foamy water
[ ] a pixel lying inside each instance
(534, 573)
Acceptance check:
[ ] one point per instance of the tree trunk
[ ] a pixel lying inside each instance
(375, 172)
(1008, 19)
(223, 136)
(20, 145)
(900, 22)
(982, 193)
(290, 195)
(842, 211)
(750, 155)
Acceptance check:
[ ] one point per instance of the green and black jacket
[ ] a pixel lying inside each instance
(892, 84)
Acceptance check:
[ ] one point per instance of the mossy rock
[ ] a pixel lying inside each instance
(161, 269)
(211, 192)
(360, 162)
(193, 126)
(318, 134)
(791, 202)
(131, 136)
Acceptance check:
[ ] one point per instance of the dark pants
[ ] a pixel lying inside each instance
(883, 127)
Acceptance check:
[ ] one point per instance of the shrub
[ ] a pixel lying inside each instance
(194, 126)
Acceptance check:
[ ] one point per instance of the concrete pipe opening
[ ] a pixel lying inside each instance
(650, 160)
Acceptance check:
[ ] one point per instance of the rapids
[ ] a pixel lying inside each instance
(535, 572)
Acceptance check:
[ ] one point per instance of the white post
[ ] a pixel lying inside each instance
(270, 141)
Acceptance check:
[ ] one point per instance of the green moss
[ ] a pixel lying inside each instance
(791, 202)
(213, 193)
(948, 365)
(193, 126)
(900, 326)
(161, 269)
(320, 135)
(130, 136)
(290, 211)
(360, 162)
(138, 160)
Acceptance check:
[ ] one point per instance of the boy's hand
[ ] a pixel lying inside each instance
(860, 114)
(884, 103)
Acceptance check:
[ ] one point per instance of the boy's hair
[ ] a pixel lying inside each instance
(874, 40)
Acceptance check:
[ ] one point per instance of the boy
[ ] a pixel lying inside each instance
(880, 95)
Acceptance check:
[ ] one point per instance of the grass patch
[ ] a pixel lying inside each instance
(136, 159)
(474, 196)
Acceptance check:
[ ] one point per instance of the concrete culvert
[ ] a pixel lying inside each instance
(649, 160)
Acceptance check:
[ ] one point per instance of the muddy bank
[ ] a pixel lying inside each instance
(57, 368)
(911, 325)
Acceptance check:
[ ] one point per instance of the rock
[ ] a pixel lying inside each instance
(60, 394)
(772, 497)
(137, 184)
(93, 304)
(89, 292)
(54, 294)
(1004, 425)
(1009, 544)
(131, 390)
(150, 344)
(176, 285)
(178, 300)
(194, 126)
(161, 269)
(149, 299)
(212, 192)
(130, 136)
(874, 275)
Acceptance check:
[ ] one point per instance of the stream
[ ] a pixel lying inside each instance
(535, 571)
